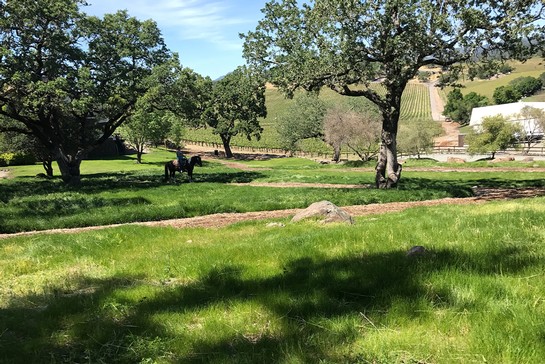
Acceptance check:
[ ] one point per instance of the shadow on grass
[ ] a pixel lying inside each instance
(95, 323)
(463, 187)
(100, 182)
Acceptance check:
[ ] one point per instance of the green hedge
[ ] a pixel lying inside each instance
(16, 159)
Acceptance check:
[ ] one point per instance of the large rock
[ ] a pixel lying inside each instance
(324, 211)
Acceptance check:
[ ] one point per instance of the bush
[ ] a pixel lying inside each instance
(16, 159)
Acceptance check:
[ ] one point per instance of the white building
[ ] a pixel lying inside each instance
(510, 112)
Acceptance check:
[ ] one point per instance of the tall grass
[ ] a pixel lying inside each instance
(296, 294)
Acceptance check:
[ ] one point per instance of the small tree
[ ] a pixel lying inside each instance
(145, 128)
(303, 119)
(416, 138)
(533, 119)
(237, 101)
(496, 134)
(459, 107)
(359, 130)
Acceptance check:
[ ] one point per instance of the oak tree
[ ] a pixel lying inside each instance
(346, 45)
(70, 79)
(234, 107)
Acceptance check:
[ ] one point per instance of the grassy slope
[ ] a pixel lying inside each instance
(304, 293)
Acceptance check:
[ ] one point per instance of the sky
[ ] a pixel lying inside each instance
(205, 33)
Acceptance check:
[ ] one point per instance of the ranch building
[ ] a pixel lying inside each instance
(511, 112)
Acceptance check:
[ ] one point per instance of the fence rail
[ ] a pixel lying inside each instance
(532, 151)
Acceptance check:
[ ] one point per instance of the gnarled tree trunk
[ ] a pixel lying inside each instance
(388, 170)
(69, 166)
(226, 140)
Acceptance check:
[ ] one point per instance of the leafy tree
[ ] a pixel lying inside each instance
(526, 86)
(236, 103)
(70, 79)
(496, 134)
(459, 107)
(416, 137)
(542, 79)
(161, 107)
(303, 119)
(533, 119)
(506, 95)
(344, 45)
(424, 76)
(143, 129)
(355, 126)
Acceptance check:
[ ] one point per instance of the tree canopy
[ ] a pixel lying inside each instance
(345, 45)
(495, 134)
(70, 79)
(234, 106)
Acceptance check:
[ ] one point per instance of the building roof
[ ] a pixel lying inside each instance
(509, 111)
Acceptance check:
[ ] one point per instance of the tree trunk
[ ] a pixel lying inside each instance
(336, 153)
(226, 140)
(388, 171)
(47, 163)
(69, 167)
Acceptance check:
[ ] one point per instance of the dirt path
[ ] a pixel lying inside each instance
(224, 219)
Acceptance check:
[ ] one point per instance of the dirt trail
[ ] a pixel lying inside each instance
(224, 219)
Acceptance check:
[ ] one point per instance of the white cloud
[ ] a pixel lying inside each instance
(210, 21)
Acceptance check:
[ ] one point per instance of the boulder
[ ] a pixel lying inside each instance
(324, 211)
(503, 159)
(455, 160)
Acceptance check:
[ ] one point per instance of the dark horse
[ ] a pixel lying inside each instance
(172, 166)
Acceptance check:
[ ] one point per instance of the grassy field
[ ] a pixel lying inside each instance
(121, 191)
(302, 293)
(533, 67)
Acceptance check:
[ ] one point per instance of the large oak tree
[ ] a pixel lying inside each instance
(70, 79)
(347, 44)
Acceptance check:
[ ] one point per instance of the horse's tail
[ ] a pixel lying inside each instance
(166, 170)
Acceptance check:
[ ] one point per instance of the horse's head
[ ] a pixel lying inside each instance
(196, 159)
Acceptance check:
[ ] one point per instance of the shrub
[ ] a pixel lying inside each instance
(16, 159)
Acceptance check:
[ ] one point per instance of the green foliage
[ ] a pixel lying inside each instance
(424, 76)
(496, 134)
(526, 86)
(16, 159)
(416, 137)
(236, 103)
(302, 119)
(71, 79)
(506, 95)
(459, 107)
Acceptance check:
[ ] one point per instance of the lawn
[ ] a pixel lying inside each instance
(302, 293)
(255, 293)
(121, 191)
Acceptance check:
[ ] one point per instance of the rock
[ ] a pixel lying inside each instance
(503, 159)
(416, 251)
(325, 211)
(455, 160)
(528, 159)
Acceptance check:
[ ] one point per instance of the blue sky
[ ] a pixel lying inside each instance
(203, 32)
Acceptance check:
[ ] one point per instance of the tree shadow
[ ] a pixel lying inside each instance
(93, 322)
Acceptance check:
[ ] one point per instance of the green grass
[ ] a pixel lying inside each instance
(120, 191)
(304, 293)
(532, 67)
